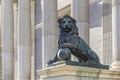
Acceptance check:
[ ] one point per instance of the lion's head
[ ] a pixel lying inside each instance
(67, 25)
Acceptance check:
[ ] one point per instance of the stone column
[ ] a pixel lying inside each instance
(116, 34)
(38, 37)
(0, 46)
(80, 11)
(33, 71)
(7, 40)
(15, 40)
(24, 46)
(49, 30)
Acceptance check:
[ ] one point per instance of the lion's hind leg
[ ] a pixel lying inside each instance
(93, 57)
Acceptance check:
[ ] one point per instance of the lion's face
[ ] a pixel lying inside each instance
(67, 24)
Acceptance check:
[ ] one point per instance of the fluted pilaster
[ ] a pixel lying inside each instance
(0, 46)
(33, 71)
(24, 41)
(49, 30)
(116, 34)
(15, 40)
(7, 40)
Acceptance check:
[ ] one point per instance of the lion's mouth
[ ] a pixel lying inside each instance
(66, 30)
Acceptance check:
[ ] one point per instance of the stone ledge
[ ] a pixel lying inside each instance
(69, 70)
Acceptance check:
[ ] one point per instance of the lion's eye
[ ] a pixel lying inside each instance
(69, 21)
(63, 21)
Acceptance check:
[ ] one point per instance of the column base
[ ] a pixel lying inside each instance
(115, 66)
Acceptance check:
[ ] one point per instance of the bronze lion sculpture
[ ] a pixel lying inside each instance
(70, 43)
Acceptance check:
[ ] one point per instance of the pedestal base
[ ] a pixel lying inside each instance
(71, 72)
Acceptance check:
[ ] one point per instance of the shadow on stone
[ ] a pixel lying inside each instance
(74, 63)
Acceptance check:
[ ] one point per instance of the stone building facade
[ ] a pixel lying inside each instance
(28, 33)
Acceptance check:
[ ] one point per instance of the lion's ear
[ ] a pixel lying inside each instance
(73, 20)
(59, 20)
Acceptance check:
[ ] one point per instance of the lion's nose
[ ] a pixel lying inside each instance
(66, 26)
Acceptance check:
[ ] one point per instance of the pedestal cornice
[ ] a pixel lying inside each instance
(68, 70)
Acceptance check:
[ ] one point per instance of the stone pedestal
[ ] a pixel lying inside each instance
(70, 72)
